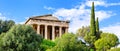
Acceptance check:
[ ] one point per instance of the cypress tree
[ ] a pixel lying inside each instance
(97, 27)
(92, 36)
(92, 22)
(92, 28)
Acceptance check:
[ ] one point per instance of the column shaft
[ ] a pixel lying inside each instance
(60, 31)
(42, 32)
(38, 29)
(53, 33)
(45, 31)
(66, 30)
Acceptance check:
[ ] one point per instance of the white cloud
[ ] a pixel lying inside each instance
(21, 22)
(113, 29)
(97, 3)
(68, 14)
(102, 14)
(49, 8)
(2, 17)
(80, 16)
(114, 4)
(100, 3)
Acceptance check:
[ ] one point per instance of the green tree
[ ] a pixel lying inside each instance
(97, 28)
(115, 49)
(106, 41)
(6, 25)
(92, 22)
(69, 42)
(20, 38)
(81, 32)
(91, 37)
(97, 25)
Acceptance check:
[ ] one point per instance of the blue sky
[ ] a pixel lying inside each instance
(77, 11)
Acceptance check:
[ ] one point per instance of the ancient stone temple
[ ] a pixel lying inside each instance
(48, 26)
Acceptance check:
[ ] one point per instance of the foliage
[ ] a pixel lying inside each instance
(92, 22)
(24, 38)
(6, 25)
(83, 31)
(47, 44)
(97, 28)
(115, 49)
(106, 41)
(20, 38)
(69, 42)
(97, 25)
(92, 36)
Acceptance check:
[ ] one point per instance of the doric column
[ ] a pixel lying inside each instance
(45, 31)
(38, 29)
(66, 30)
(53, 33)
(60, 31)
(42, 32)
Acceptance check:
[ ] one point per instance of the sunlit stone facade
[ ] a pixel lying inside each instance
(48, 26)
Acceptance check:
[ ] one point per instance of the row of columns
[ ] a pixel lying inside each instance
(53, 31)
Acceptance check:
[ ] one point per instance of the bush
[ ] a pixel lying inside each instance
(69, 42)
(20, 38)
(47, 44)
(115, 49)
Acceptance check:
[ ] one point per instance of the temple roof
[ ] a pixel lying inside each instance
(45, 17)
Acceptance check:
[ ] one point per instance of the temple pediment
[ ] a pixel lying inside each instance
(45, 17)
